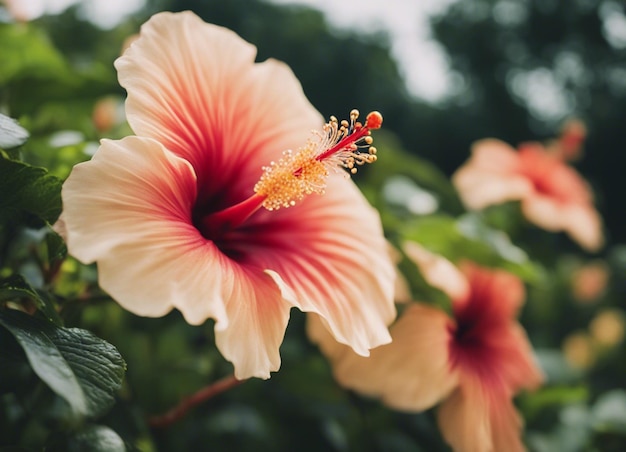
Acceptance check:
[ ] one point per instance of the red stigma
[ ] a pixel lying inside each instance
(374, 120)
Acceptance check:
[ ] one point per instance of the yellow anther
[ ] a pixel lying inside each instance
(345, 144)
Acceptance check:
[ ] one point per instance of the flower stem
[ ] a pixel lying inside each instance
(181, 410)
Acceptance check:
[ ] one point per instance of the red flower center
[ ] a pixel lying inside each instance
(475, 340)
(345, 144)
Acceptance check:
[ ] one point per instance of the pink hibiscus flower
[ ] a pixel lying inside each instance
(473, 363)
(553, 195)
(172, 218)
(23, 11)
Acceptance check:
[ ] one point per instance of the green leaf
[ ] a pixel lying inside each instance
(609, 411)
(468, 238)
(28, 193)
(92, 438)
(15, 287)
(15, 372)
(395, 161)
(27, 52)
(56, 247)
(551, 399)
(11, 133)
(83, 369)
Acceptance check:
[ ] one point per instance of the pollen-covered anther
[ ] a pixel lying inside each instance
(340, 144)
(290, 179)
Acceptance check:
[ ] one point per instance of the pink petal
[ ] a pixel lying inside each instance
(438, 271)
(504, 361)
(581, 222)
(479, 188)
(416, 363)
(411, 374)
(495, 294)
(330, 250)
(478, 419)
(129, 210)
(491, 176)
(195, 88)
(584, 226)
(493, 347)
(506, 427)
(494, 155)
(258, 317)
(553, 177)
(464, 419)
(544, 212)
(521, 368)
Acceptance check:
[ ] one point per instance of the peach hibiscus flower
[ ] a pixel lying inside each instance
(553, 195)
(185, 215)
(473, 362)
(23, 11)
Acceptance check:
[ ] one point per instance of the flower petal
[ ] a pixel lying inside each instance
(464, 419)
(478, 419)
(490, 176)
(552, 177)
(129, 210)
(258, 316)
(581, 222)
(479, 188)
(496, 294)
(517, 365)
(495, 155)
(411, 374)
(330, 250)
(494, 347)
(506, 427)
(195, 88)
(438, 271)
(584, 226)
(416, 363)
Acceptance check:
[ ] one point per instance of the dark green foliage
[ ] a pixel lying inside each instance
(29, 194)
(78, 366)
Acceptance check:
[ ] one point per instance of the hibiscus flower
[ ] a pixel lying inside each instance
(553, 195)
(191, 213)
(472, 362)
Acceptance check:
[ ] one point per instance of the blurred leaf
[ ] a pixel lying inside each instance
(83, 369)
(555, 367)
(15, 287)
(30, 191)
(92, 438)
(403, 192)
(467, 238)
(396, 162)
(553, 396)
(56, 247)
(11, 133)
(27, 52)
(471, 226)
(609, 411)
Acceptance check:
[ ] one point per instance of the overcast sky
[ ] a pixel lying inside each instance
(421, 60)
(105, 13)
